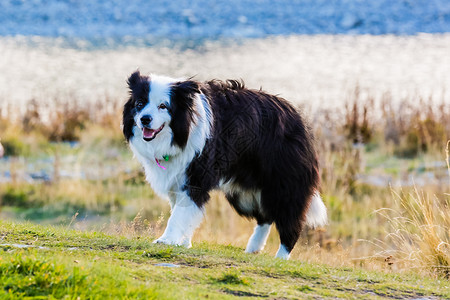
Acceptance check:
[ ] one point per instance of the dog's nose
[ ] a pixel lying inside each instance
(145, 120)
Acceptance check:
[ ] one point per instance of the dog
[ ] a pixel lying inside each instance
(193, 137)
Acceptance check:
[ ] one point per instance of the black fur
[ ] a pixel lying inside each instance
(258, 141)
(139, 88)
(182, 110)
(261, 143)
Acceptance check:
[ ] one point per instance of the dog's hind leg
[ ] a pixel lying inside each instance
(289, 233)
(185, 218)
(258, 239)
(289, 224)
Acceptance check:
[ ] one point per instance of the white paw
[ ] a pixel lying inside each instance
(166, 241)
(254, 248)
(283, 253)
(258, 239)
(187, 243)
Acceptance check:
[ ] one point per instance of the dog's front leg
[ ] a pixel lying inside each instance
(185, 218)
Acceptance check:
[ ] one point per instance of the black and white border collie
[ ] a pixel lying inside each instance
(194, 137)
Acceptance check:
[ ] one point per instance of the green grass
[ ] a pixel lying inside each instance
(92, 265)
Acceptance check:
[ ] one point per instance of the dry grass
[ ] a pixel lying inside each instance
(418, 231)
(447, 159)
(419, 235)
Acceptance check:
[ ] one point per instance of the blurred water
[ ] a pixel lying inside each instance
(180, 20)
(318, 71)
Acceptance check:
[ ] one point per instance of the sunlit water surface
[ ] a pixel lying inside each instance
(316, 71)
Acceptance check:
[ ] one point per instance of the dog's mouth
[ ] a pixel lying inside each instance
(150, 134)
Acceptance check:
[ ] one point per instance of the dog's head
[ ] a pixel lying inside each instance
(160, 110)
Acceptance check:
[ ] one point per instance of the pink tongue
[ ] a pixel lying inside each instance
(148, 133)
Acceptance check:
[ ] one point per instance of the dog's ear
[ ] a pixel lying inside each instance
(128, 120)
(182, 97)
(139, 88)
(134, 80)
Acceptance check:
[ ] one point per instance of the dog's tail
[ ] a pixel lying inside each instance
(316, 215)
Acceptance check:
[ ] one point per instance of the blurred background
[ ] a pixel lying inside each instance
(371, 77)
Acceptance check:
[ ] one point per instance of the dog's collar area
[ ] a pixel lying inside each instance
(166, 158)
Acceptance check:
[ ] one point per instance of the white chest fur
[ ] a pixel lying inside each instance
(168, 176)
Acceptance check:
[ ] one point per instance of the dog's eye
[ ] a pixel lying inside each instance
(139, 103)
(162, 106)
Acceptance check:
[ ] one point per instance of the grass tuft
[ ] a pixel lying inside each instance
(162, 254)
(231, 277)
(304, 288)
(420, 233)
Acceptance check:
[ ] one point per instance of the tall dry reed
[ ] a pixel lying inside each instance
(419, 235)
